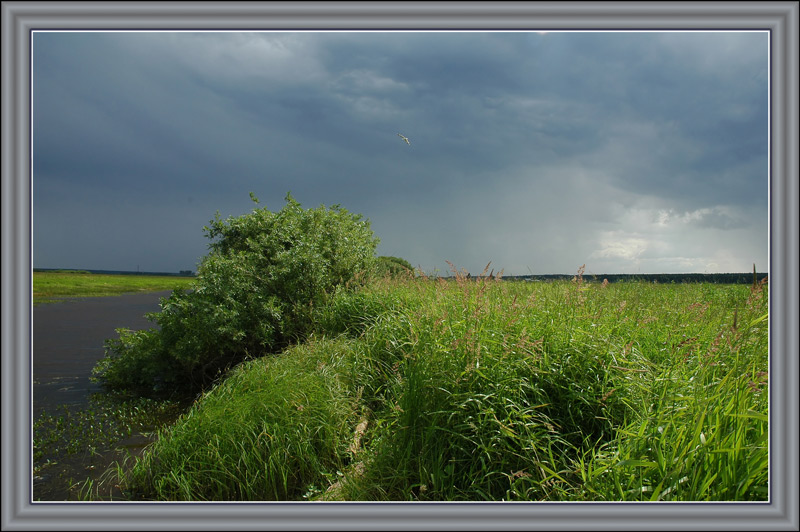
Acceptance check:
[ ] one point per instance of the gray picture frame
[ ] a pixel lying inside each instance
(19, 19)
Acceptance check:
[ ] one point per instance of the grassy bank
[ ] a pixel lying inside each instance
(50, 287)
(465, 389)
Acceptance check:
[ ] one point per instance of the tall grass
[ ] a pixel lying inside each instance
(272, 430)
(482, 389)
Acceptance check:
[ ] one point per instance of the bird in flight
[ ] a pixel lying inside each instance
(404, 138)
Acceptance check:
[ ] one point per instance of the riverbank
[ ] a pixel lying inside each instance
(487, 390)
(55, 286)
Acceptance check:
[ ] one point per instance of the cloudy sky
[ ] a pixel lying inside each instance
(629, 152)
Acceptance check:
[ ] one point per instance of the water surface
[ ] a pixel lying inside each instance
(68, 339)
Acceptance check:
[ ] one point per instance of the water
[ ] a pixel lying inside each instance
(68, 340)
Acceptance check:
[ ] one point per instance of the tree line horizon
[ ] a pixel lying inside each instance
(714, 278)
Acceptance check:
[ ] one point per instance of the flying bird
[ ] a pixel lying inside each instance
(404, 138)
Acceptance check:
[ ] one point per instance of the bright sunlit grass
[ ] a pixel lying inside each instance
(53, 286)
(464, 389)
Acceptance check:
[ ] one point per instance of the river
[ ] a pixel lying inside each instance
(67, 341)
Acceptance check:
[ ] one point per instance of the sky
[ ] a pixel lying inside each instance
(537, 152)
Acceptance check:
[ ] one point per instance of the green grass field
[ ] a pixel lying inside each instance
(49, 287)
(486, 390)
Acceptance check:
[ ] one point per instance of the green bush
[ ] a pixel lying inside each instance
(255, 293)
(393, 266)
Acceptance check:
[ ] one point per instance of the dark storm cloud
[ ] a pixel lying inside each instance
(686, 111)
(572, 144)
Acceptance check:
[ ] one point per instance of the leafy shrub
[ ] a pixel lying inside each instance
(255, 293)
(393, 266)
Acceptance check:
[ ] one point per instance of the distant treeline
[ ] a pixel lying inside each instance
(717, 278)
(714, 278)
(182, 273)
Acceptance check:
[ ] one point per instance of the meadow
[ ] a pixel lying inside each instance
(415, 388)
(53, 286)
